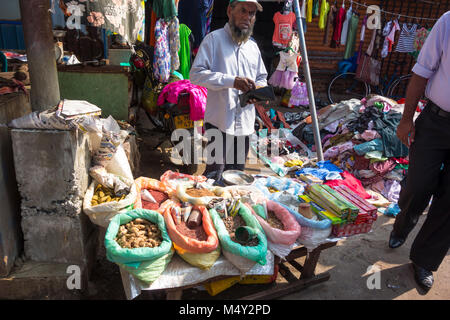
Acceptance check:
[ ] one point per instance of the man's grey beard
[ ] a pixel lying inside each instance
(238, 35)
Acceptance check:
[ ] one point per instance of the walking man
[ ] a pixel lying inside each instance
(429, 168)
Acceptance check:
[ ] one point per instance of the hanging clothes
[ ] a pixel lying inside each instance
(283, 28)
(330, 23)
(162, 57)
(419, 40)
(185, 51)
(406, 40)
(391, 35)
(195, 15)
(324, 9)
(386, 30)
(361, 39)
(316, 8)
(174, 43)
(310, 11)
(165, 9)
(351, 38)
(303, 14)
(344, 31)
(336, 38)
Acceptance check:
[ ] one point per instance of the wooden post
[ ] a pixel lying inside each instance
(37, 29)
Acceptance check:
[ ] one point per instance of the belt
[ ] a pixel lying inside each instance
(435, 109)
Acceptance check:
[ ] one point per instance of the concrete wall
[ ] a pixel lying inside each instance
(11, 243)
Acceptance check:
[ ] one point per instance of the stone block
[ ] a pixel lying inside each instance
(44, 281)
(12, 106)
(52, 170)
(55, 238)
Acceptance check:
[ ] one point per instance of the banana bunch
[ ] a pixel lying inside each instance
(103, 195)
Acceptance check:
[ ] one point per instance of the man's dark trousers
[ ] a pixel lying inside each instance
(428, 178)
(234, 154)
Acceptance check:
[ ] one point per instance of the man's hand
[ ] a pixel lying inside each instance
(244, 84)
(406, 132)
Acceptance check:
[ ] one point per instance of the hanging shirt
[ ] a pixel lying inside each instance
(386, 30)
(283, 28)
(391, 36)
(433, 63)
(218, 62)
(165, 9)
(185, 51)
(330, 23)
(324, 8)
(310, 11)
(344, 31)
(406, 40)
(336, 39)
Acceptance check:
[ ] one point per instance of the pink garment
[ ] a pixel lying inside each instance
(197, 97)
(350, 181)
(369, 135)
(283, 79)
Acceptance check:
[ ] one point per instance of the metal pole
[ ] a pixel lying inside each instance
(37, 29)
(312, 103)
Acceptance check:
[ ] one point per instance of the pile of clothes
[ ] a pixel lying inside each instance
(359, 137)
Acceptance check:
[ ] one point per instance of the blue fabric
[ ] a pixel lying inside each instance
(325, 171)
(374, 145)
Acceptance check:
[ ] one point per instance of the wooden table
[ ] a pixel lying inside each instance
(308, 276)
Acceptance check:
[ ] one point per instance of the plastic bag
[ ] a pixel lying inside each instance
(291, 230)
(144, 263)
(244, 253)
(190, 244)
(144, 183)
(103, 213)
(170, 180)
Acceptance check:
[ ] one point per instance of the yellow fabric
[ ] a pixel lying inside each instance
(309, 11)
(324, 8)
(291, 163)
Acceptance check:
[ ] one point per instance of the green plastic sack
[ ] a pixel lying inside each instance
(145, 263)
(257, 253)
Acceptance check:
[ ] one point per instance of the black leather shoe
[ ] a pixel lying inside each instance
(395, 241)
(423, 277)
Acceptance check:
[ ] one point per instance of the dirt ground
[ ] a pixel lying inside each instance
(350, 264)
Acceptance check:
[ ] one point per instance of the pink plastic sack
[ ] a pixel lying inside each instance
(291, 231)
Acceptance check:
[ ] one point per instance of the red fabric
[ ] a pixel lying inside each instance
(283, 27)
(351, 182)
(340, 17)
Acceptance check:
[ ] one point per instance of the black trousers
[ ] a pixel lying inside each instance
(428, 178)
(234, 154)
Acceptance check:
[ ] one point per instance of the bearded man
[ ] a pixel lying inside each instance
(229, 63)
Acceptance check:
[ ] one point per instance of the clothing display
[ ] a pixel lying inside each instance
(309, 13)
(330, 24)
(336, 38)
(324, 9)
(283, 29)
(185, 51)
(406, 39)
(351, 36)
(344, 31)
(162, 54)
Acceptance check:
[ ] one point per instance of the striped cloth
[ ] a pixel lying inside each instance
(406, 40)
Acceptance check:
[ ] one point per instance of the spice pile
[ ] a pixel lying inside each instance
(159, 198)
(139, 233)
(232, 223)
(273, 220)
(103, 194)
(197, 193)
(197, 233)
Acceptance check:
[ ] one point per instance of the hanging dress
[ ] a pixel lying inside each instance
(406, 40)
(336, 38)
(324, 8)
(351, 38)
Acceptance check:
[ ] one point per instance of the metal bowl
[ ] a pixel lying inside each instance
(236, 177)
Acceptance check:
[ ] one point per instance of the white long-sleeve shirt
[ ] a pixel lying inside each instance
(433, 63)
(218, 62)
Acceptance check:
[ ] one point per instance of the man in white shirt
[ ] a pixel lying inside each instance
(229, 63)
(429, 155)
